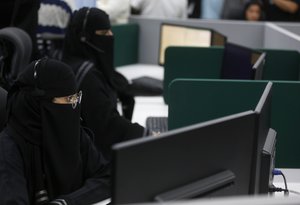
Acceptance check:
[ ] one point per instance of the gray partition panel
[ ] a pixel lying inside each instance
(279, 38)
(292, 27)
(240, 32)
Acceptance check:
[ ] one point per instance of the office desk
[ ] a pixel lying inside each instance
(148, 106)
(292, 178)
(145, 106)
(293, 182)
(138, 70)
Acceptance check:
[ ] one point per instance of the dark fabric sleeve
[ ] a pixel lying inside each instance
(101, 116)
(13, 188)
(97, 173)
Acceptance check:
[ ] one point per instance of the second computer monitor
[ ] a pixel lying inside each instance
(240, 62)
(213, 158)
(263, 124)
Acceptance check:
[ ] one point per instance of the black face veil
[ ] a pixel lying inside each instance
(47, 134)
(82, 42)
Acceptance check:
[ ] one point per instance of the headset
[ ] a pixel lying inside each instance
(83, 37)
(37, 91)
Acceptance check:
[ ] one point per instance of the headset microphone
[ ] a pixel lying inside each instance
(93, 46)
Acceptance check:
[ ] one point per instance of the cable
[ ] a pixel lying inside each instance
(276, 189)
(285, 190)
(294, 192)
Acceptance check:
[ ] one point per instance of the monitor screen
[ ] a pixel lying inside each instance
(177, 35)
(155, 167)
(240, 62)
(236, 62)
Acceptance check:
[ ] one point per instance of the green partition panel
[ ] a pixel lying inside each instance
(191, 62)
(285, 120)
(281, 65)
(205, 63)
(126, 44)
(197, 100)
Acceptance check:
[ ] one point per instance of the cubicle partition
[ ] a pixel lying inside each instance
(281, 64)
(199, 100)
(247, 34)
(191, 62)
(250, 34)
(292, 27)
(277, 37)
(126, 44)
(206, 63)
(209, 99)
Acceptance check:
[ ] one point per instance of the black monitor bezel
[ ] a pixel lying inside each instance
(137, 142)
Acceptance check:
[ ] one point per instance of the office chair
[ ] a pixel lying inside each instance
(16, 49)
(3, 95)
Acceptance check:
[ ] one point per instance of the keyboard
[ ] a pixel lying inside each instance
(156, 125)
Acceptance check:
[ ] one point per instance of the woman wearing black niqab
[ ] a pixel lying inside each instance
(89, 38)
(45, 157)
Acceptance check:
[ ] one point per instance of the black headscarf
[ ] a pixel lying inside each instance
(81, 42)
(47, 134)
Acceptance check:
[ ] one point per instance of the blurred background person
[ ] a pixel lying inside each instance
(222, 9)
(71, 3)
(254, 11)
(282, 10)
(118, 10)
(161, 8)
(194, 8)
(53, 19)
(233, 9)
(211, 9)
(21, 14)
(84, 3)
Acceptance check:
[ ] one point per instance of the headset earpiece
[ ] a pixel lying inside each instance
(37, 91)
(83, 36)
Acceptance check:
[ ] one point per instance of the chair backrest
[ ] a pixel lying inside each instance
(3, 95)
(17, 47)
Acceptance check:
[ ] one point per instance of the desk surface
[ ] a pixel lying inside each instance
(139, 70)
(145, 106)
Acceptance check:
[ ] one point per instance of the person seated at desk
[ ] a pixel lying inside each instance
(45, 156)
(89, 39)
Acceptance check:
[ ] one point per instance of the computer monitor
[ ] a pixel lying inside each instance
(258, 66)
(212, 158)
(179, 35)
(239, 62)
(263, 123)
(267, 164)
